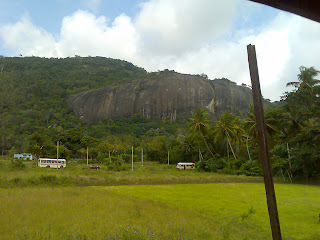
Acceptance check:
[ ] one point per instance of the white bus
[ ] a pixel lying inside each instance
(185, 165)
(52, 163)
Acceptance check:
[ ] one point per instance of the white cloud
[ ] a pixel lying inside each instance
(171, 27)
(187, 37)
(27, 39)
(84, 34)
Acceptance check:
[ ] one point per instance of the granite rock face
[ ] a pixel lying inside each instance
(166, 96)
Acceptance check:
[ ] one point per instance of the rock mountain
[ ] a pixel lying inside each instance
(165, 95)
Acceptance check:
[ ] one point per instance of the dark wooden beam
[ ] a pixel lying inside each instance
(306, 8)
(263, 144)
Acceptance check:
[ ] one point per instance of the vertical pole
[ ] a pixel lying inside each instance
(132, 159)
(142, 156)
(57, 153)
(263, 146)
(168, 158)
(87, 156)
(109, 156)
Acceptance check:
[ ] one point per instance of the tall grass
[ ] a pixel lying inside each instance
(76, 174)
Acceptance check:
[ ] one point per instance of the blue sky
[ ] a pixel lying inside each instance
(188, 36)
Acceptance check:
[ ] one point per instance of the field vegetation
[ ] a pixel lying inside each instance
(77, 174)
(187, 211)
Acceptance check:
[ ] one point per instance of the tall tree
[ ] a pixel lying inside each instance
(306, 95)
(200, 125)
(226, 128)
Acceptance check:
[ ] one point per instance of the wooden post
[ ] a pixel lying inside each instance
(263, 146)
(168, 158)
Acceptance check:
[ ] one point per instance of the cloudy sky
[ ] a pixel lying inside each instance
(188, 36)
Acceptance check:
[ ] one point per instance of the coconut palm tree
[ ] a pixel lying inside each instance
(306, 94)
(200, 125)
(226, 128)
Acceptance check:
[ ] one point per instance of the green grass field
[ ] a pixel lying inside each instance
(298, 205)
(91, 204)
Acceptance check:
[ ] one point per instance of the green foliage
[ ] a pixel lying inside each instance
(207, 165)
(116, 164)
(17, 164)
(250, 168)
(35, 91)
(158, 149)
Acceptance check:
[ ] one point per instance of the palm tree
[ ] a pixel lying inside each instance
(306, 79)
(251, 125)
(225, 128)
(306, 93)
(200, 125)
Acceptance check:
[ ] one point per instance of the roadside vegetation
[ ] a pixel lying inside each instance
(77, 174)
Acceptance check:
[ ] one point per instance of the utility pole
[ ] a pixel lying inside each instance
(57, 154)
(263, 145)
(87, 156)
(142, 156)
(132, 159)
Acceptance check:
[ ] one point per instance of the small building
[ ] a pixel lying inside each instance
(23, 156)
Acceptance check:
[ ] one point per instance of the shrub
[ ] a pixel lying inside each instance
(251, 168)
(17, 164)
(207, 165)
(116, 164)
(48, 179)
(126, 157)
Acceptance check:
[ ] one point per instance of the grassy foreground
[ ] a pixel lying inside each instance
(242, 204)
(189, 211)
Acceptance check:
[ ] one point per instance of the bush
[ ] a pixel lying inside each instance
(235, 163)
(251, 168)
(17, 164)
(48, 179)
(207, 165)
(126, 157)
(116, 164)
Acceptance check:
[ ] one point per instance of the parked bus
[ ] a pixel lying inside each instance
(185, 165)
(51, 163)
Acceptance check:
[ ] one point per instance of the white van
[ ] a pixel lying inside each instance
(185, 165)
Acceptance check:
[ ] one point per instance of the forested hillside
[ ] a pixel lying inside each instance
(34, 92)
(34, 115)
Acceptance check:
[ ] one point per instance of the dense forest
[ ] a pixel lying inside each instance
(34, 116)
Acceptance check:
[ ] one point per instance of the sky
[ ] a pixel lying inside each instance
(188, 36)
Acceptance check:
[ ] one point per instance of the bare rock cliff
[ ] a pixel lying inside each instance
(166, 96)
